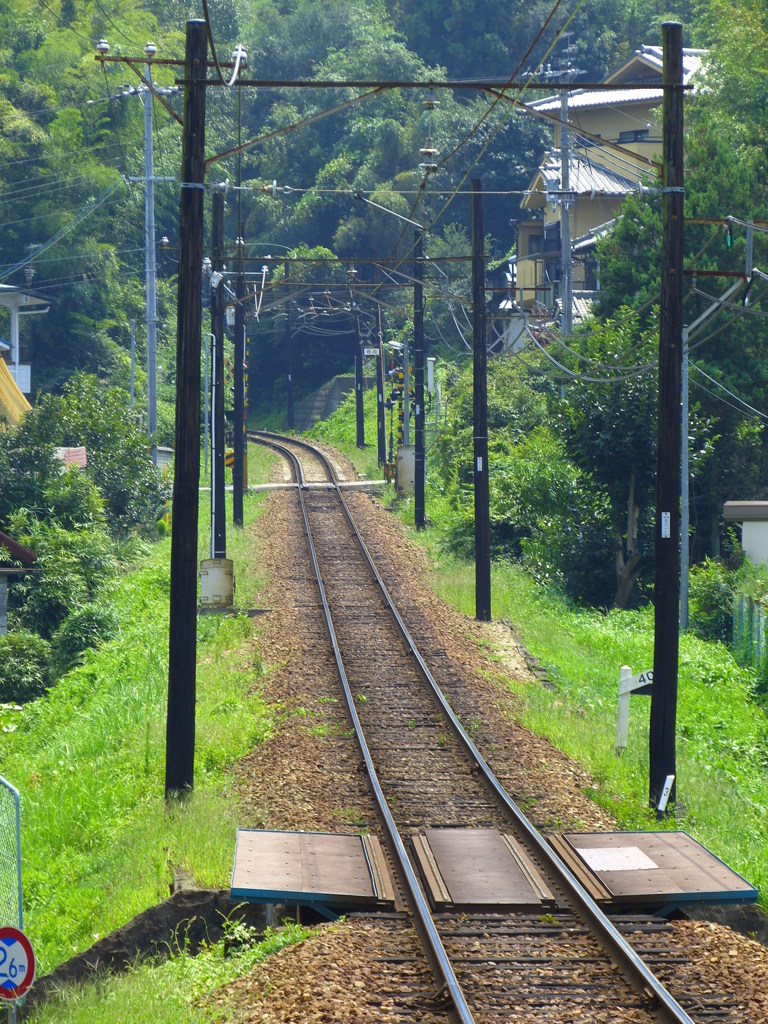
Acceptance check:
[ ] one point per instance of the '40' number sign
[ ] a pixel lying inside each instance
(17, 963)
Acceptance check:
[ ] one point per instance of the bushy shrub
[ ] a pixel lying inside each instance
(84, 628)
(711, 588)
(572, 550)
(132, 492)
(72, 566)
(25, 667)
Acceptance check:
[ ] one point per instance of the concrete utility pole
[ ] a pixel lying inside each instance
(566, 268)
(662, 752)
(480, 414)
(288, 347)
(182, 635)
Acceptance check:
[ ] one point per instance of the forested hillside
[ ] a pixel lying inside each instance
(72, 160)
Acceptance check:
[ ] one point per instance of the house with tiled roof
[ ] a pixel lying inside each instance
(614, 145)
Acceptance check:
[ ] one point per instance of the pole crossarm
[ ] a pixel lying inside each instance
(494, 87)
(146, 82)
(475, 85)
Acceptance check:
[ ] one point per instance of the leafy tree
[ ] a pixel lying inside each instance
(71, 567)
(119, 464)
(544, 509)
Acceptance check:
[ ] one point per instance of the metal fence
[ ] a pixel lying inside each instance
(10, 856)
(749, 630)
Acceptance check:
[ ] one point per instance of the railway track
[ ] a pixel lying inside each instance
(567, 962)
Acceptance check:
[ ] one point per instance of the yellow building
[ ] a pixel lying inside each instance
(614, 135)
(13, 403)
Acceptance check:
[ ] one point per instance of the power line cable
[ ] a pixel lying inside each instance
(78, 219)
(730, 405)
(730, 394)
(68, 28)
(114, 24)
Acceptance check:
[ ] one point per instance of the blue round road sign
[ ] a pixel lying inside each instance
(17, 963)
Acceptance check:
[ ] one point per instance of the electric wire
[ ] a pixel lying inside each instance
(114, 24)
(573, 375)
(78, 219)
(211, 44)
(760, 228)
(484, 148)
(747, 411)
(730, 394)
(68, 28)
(516, 98)
(747, 310)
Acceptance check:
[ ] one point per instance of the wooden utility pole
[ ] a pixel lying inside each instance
(359, 410)
(218, 302)
(182, 637)
(381, 414)
(480, 413)
(238, 416)
(288, 347)
(419, 454)
(667, 569)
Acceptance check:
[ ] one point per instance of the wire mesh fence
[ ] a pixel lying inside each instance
(10, 856)
(750, 630)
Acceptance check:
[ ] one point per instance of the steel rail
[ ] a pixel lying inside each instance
(440, 961)
(635, 970)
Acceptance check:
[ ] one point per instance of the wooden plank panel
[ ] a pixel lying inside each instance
(658, 867)
(317, 867)
(473, 868)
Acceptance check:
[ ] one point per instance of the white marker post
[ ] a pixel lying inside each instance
(664, 796)
(629, 684)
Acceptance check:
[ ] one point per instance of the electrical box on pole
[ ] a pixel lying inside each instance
(182, 633)
(663, 721)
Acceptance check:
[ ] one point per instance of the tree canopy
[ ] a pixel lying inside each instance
(71, 170)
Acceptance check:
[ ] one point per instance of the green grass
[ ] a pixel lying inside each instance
(722, 730)
(98, 842)
(100, 845)
(173, 992)
(340, 431)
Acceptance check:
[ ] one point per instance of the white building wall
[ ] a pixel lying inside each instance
(754, 540)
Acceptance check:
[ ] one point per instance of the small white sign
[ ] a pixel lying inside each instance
(619, 858)
(479, 464)
(666, 525)
(370, 351)
(664, 799)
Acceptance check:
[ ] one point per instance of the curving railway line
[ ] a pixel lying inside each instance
(564, 960)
